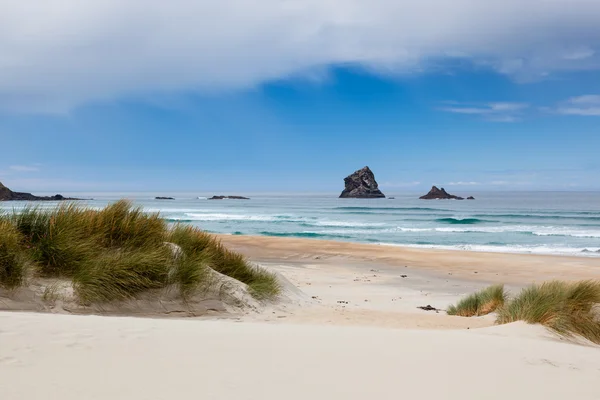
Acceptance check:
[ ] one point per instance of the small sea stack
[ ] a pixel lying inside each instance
(361, 185)
(229, 198)
(436, 194)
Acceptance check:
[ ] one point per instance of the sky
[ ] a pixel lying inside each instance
(292, 96)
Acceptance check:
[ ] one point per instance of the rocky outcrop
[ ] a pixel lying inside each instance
(436, 193)
(470, 198)
(8, 195)
(361, 185)
(164, 198)
(229, 198)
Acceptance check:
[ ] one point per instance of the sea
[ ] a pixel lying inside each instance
(565, 223)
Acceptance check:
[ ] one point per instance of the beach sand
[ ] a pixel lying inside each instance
(69, 357)
(348, 326)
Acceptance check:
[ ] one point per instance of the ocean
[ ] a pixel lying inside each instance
(565, 223)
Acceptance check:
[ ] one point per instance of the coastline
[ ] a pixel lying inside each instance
(348, 313)
(509, 268)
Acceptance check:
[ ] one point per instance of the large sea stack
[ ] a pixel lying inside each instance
(361, 185)
(435, 194)
(8, 195)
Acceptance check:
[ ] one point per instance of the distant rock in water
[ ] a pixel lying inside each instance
(470, 198)
(8, 195)
(436, 193)
(361, 185)
(164, 198)
(229, 198)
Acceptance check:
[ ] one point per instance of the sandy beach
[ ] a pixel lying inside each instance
(347, 326)
(480, 266)
(74, 357)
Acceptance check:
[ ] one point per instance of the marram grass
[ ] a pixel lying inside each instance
(13, 260)
(118, 252)
(480, 303)
(567, 308)
(193, 241)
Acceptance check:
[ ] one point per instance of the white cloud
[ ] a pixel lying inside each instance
(588, 105)
(461, 183)
(579, 53)
(498, 112)
(58, 54)
(24, 168)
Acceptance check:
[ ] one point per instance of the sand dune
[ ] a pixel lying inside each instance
(332, 335)
(76, 357)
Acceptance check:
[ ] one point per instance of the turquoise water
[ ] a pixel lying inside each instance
(543, 223)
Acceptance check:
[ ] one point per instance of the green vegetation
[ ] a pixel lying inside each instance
(13, 261)
(195, 242)
(118, 252)
(480, 303)
(568, 308)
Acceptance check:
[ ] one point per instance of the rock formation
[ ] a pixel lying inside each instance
(8, 195)
(361, 185)
(164, 198)
(229, 198)
(436, 193)
(470, 198)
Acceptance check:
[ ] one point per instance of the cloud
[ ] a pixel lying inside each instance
(460, 183)
(579, 53)
(498, 112)
(60, 54)
(23, 168)
(588, 105)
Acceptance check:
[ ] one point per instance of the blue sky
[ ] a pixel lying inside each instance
(294, 99)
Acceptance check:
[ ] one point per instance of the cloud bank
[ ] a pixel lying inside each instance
(499, 112)
(59, 54)
(588, 105)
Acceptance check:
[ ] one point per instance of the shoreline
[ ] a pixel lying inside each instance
(509, 268)
(476, 248)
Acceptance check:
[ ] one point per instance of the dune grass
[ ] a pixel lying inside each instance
(118, 252)
(120, 275)
(568, 308)
(13, 260)
(193, 241)
(480, 303)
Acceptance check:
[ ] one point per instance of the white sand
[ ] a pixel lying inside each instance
(45, 356)
(333, 336)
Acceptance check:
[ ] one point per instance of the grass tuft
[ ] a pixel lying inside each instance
(118, 252)
(122, 225)
(568, 308)
(120, 275)
(480, 303)
(13, 260)
(262, 284)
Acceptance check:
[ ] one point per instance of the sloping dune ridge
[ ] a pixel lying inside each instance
(347, 325)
